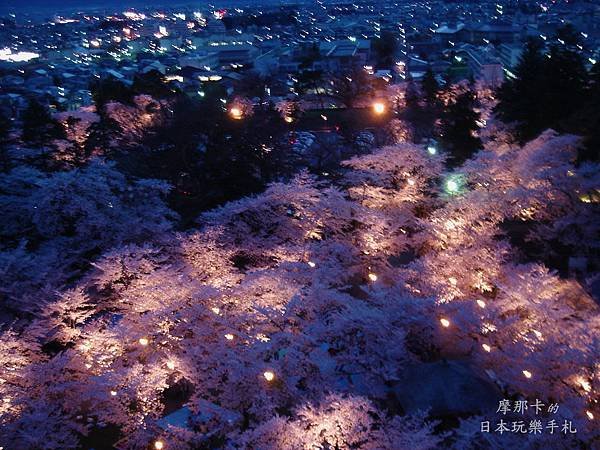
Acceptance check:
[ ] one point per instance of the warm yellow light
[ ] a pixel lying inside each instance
(481, 303)
(159, 445)
(487, 348)
(144, 341)
(269, 376)
(445, 322)
(311, 264)
(453, 281)
(113, 393)
(590, 415)
(372, 277)
(585, 384)
(215, 310)
(378, 108)
(236, 113)
(170, 365)
(229, 336)
(288, 119)
(411, 182)
(527, 373)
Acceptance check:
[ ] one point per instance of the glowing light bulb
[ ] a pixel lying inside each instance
(487, 348)
(372, 277)
(159, 445)
(170, 365)
(527, 374)
(585, 384)
(143, 341)
(288, 119)
(269, 376)
(481, 303)
(378, 108)
(445, 323)
(452, 186)
(590, 415)
(311, 264)
(113, 393)
(229, 337)
(236, 113)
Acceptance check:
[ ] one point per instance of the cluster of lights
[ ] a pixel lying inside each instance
(6, 54)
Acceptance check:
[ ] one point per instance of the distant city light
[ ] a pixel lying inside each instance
(431, 150)
(6, 54)
(445, 323)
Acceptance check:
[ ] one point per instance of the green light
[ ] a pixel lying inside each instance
(452, 186)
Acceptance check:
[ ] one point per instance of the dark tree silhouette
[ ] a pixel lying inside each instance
(385, 48)
(458, 128)
(38, 125)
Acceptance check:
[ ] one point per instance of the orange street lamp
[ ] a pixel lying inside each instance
(236, 113)
(378, 108)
